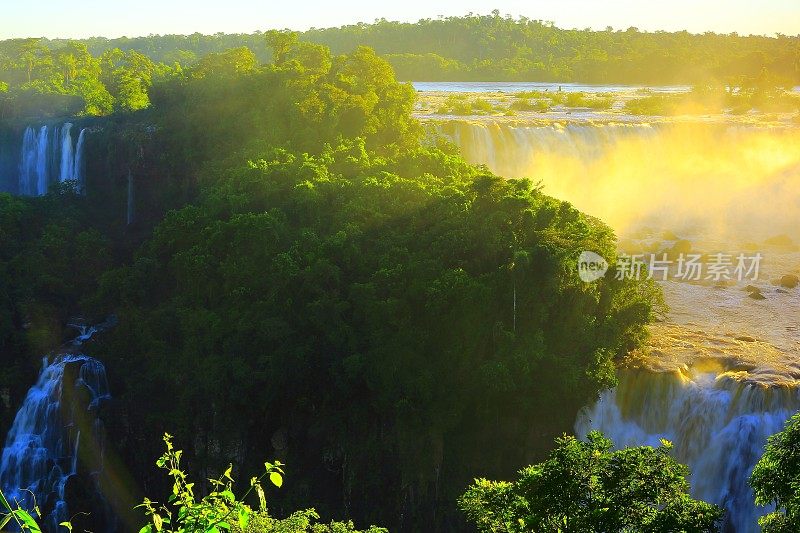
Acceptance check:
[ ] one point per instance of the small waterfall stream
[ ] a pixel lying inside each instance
(57, 419)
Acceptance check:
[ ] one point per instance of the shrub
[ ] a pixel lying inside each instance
(184, 513)
(776, 478)
(220, 510)
(585, 487)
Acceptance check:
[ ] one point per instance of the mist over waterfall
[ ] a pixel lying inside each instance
(513, 150)
(54, 449)
(684, 176)
(50, 155)
(718, 426)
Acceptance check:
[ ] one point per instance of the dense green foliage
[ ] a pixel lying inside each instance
(326, 287)
(349, 294)
(584, 487)
(776, 478)
(51, 255)
(368, 316)
(39, 81)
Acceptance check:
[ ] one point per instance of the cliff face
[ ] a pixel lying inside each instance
(10, 145)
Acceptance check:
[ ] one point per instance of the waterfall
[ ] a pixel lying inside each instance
(512, 150)
(67, 161)
(28, 172)
(717, 424)
(78, 166)
(56, 419)
(50, 156)
(679, 175)
(41, 162)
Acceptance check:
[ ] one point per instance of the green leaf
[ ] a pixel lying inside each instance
(244, 517)
(276, 479)
(28, 520)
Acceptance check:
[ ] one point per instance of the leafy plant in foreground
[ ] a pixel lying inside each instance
(23, 519)
(19, 516)
(212, 513)
(221, 511)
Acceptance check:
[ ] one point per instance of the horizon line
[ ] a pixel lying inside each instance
(516, 18)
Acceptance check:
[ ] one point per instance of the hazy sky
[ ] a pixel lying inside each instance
(114, 18)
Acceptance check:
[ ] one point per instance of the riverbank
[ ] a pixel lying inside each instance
(625, 106)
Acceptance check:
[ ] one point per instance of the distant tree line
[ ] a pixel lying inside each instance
(503, 48)
(492, 47)
(97, 76)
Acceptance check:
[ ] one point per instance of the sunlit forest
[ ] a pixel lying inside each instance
(334, 314)
(97, 76)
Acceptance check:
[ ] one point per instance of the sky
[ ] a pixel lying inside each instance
(116, 18)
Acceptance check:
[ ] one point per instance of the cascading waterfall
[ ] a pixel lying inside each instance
(56, 420)
(676, 175)
(67, 159)
(50, 156)
(513, 149)
(78, 164)
(718, 426)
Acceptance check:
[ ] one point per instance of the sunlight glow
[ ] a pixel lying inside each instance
(54, 18)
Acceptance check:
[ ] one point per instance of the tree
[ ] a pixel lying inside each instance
(584, 487)
(33, 54)
(776, 478)
(230, 63)
(281, 43)
(128, 77)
